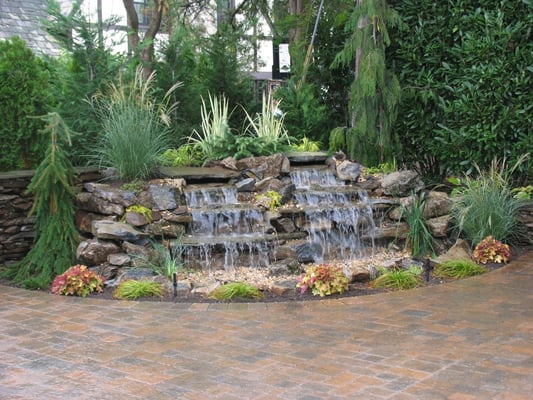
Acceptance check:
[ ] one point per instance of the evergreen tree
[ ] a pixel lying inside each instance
(56, 237)
(374, 92)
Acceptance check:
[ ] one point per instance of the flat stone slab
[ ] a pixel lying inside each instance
(307, 157)
(199, 173)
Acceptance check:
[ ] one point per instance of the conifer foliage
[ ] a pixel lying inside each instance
(55, 231)
(375, 91)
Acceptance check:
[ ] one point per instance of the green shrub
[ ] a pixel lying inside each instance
(135, 128)
(77, 281)
(465, 71)
(399, 279)
(486, 206)
(133, 290)
(458, 269)
(24, 95)
(323, 280)
(184, 156)
(234, 290)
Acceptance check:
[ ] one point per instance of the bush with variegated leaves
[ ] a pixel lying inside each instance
(78, 281)
(491, 250)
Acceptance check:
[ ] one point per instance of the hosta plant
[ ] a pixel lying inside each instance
(323, 280)
(77, 281)
(491, 250)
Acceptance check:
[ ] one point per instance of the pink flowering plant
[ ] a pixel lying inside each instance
(323, 280)
(77, 281)
(491, 250)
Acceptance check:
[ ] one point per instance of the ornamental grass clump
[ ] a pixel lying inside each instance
(135, 127)
(78, 281)
(133, 290)
(458, 269)
(239, 290)
(399, 279)
(486, 205)
(323, 280)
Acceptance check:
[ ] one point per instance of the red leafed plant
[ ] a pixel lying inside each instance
(77, 281)
(491, 250)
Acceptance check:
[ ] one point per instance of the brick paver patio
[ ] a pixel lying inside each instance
(470, 339)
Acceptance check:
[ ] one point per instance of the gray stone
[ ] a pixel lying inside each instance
(401, 183)
(437, 204)
(265, 166)
(162, 198)
(84, 220)
(348, 171)
(125, 198)
(284, 287)
(119, 259)
(95, 252)
(357, 273)
(165, 229)
(136, 274)
(459, 251)
(245, 185)
(283, 225)
(439, 226)
(116, 231)
(136, 219)
(307, 252)
(88, 202)
(282, 253)
(285, 267)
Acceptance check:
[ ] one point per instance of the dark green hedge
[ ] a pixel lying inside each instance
(466, 72)
(24, 94)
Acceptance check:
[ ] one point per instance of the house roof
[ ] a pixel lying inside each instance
(23, 19)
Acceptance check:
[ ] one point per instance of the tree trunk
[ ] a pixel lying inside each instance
(144, 49)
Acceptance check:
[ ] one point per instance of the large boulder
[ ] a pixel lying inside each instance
(265, 166)
(95, 252)
(116, 231)
(348, 171)
(108, 193)
(401, 183)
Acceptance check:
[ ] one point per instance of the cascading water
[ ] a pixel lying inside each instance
(339, 218)
(221, 227)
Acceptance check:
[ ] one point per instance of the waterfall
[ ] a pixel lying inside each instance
(221, 227)
(340, 223)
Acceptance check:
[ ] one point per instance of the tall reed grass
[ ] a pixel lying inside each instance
(135, 127)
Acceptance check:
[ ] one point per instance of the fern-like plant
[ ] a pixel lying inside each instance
(56, 237)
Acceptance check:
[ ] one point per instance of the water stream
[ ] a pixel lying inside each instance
(338, 223)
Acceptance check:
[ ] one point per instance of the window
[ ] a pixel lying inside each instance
(144, 12)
